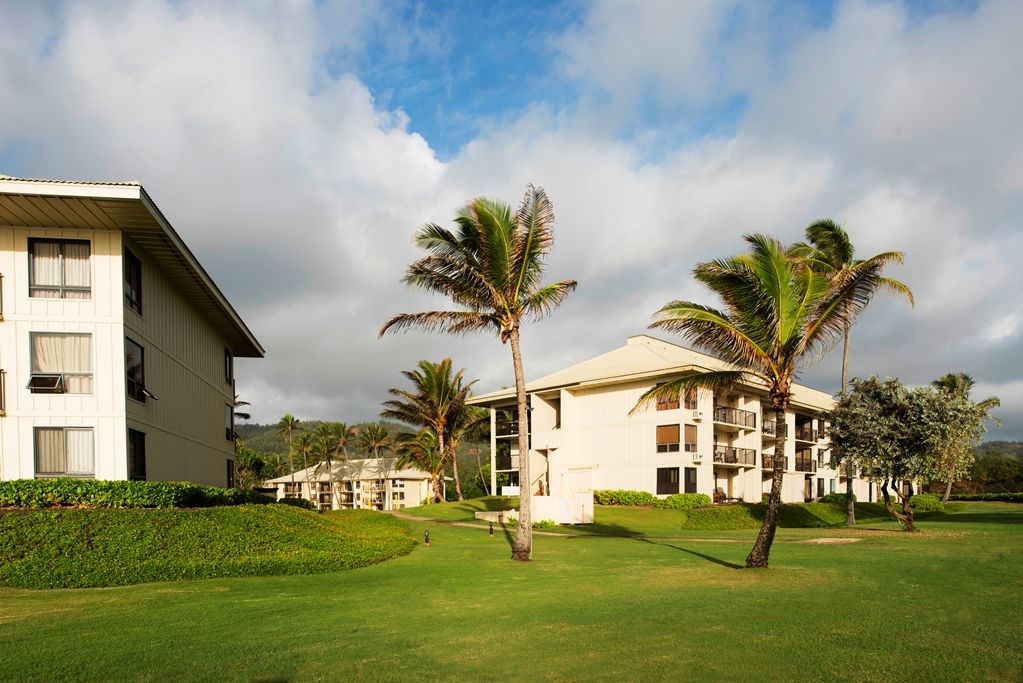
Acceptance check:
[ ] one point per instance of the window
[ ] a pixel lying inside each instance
(136, 455)
(64, 452)
(832, 486)
(822, 458)
(690, 403)
(690, 445)
(228, 367)
(667, 480)
(667, 404)
(135, 369)
(132, 282)
(229, 421)
(667, 438)
(820, 487)
(230, 474)
(59, 269)
(61, 363)
(690, 479)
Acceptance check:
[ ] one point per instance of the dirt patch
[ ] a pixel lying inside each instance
(829, 541)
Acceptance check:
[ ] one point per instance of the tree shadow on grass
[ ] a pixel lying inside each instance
(715, 560)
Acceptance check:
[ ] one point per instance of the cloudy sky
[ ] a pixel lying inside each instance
(297, 146)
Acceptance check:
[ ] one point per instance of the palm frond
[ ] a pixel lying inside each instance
(452, 322)
(673, 389)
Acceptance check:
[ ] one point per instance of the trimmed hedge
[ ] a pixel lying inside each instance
(926, 502)
(1003, 497)
(835, 498)
(790, 515)
(623, 497)
(102, 547)
(684, 501)
(46, 493)
(298, 502)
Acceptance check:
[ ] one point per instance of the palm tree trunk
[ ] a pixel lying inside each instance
(454, 471)
(758, 556)
(438, 494)
(850, 503)
(522, 549)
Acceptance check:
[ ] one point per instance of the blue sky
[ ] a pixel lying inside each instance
(296, 146)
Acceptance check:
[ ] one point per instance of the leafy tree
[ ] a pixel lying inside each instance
(492, 267)
(959, 458)
(249, 466)
(286, 429)
(778, 314)
(830, 252)
(375, 439)
(422, 451)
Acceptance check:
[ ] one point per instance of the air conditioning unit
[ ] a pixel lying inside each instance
(696, 458)
(697, 415)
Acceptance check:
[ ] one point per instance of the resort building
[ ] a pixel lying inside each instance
(116, 347)
(584, 435)
(368, 484)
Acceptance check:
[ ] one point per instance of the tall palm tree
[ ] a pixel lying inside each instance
(830, 252)
(306, 445)
(421, 450)
(239, 414)
(778, 315)
(332, 439)
(375, 438)
(492, 267)
(437, 403)
(961, 384)
(286, 428)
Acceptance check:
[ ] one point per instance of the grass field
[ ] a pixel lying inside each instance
(944, 604)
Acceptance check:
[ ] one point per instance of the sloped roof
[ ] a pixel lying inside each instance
(354, 470)
(125, 206)
(642, 357)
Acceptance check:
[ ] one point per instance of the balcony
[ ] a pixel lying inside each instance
(735, 416)
(507, 428)
(773, 429)
(769, 462)
(805, 464)
(806, 433)
(726, 455)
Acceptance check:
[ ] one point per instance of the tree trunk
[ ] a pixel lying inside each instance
(522, 549)
(454, 470)
(441, 451)
(906, 516)
(948, 492)
(758, 556)
(438, 494)
(850, 504)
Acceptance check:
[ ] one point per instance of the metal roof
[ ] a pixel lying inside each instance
(126, 206)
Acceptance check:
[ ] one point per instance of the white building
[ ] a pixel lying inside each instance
(117, 349)
(721, 443)
(367, 484)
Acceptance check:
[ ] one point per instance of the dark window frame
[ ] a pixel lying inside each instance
(228, 367)
(62, 288)
(135, 388)
(229, 421)
(689, 480)
(136, 455)
(230, 473)
(132, 281)
(667, 480)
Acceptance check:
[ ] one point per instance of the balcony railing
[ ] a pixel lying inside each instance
(806, 465)
(769, 461)
(772, 428)
(507, 427)
(805, 433)
(735, 456)
(735, 416)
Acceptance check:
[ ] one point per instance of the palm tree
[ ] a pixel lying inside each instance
(286, 428)
(421, 450)
(305, 444)
(830, 252)
(492, 267)
(961, 384)
(238, 414)
(332, 439)
(375, 438)
(778, 314)
(437, 403)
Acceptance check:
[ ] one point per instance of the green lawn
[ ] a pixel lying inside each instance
(944, 604)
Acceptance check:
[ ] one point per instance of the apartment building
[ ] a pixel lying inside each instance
(116, 348)
(366, 484)
(583, 434)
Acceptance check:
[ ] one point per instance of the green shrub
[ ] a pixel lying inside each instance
(297, 502)
(684, 501)
(623, 497)
(1003, 497)
(545, 524)
(926, 502)
(103, 547)
(790, 515)
(835, 498)
(64, 492)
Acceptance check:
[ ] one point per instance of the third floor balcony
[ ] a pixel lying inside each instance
(735, 416)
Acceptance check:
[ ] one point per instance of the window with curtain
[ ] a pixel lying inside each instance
(64, 452)
(690, 439)
(667, 438)
(67, 357)
(135, 369)
(59, 269)
(667, 480)
(690, 400)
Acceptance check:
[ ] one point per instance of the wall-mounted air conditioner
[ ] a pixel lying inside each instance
(697, 415)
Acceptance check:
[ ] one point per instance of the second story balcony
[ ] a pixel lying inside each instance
(746, 419)
(806, 432)
(768, 461)
(805, 464)
(740, 457)
(774, 429)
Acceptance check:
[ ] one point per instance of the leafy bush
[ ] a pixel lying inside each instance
(623, 497)
(926, 502)
(545, 524)
(835, 498)
(88, 548)
(297, 502)
(684, 501)
(1004, 497)
(64, 492)
(790, 515)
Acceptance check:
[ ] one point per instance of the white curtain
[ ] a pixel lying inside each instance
(70, 354)
(49, 451)
(46, 269)
(79, 451)
(76, 270)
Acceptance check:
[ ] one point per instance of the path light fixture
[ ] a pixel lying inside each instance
(491, 529)
(426, 537)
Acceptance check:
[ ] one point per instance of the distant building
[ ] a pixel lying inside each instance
(116, 347)
(366, 484)
(721, 443)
